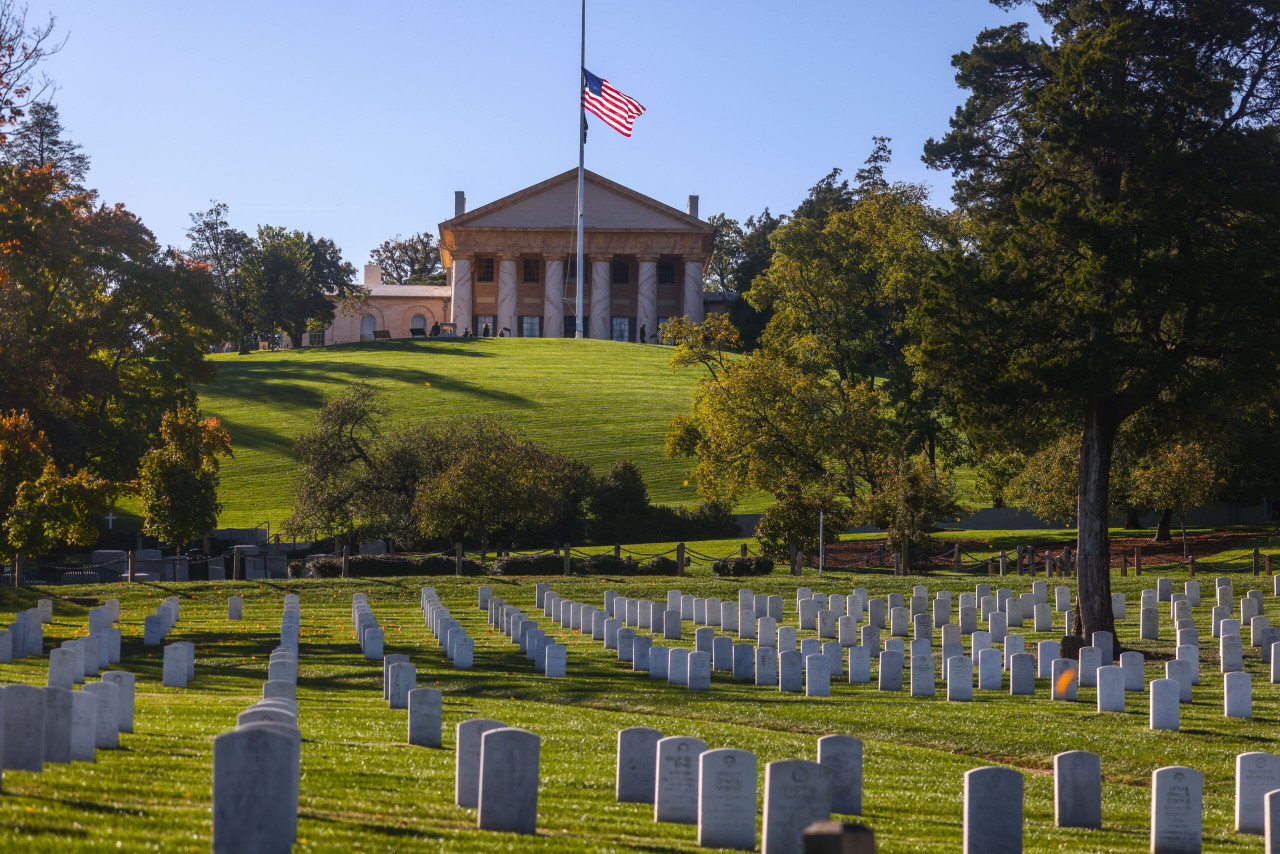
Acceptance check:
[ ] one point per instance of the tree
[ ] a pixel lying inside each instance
(39, 506)
(492, 487)
(726, 253)
(222, 249)
(38, 142)
(178, 481)
(793, 519)
(336, 456)
(293, 281)
(754, 257)
(761, 422)
(1180, 476)
(912, 497)
(102, 331)
(409, 261)
(1122, 188)
(22, 49)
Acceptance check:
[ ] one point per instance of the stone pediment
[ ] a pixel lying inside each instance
(552, 203)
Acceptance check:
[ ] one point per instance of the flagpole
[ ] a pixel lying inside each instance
(582, 153)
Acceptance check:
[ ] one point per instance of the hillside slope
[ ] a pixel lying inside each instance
(600, 401)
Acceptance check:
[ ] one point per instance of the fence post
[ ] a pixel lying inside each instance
(1266, 559)
(742, 551)
(346, 561)
(17, 570)
(959, 559)
(337, 545)
(1191, 566)
(129, 565)
(1137, 560)
(1124, 566)
(206, 544)
(680, 558)
(990, 567)
(1004, 564)
(884, 558)
(568, 559)
(457, 558)
(617, 551)
(1256, 555)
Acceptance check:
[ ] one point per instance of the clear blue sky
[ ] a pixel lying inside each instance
(358, 120)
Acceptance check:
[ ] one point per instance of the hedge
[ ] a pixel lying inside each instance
(376, 566)
(543, 564)
(738, 567)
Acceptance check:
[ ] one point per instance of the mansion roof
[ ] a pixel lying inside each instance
(540, 219)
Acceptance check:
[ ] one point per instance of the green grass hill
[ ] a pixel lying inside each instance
(599, 401)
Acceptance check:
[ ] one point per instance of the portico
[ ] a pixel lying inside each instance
(512, 262)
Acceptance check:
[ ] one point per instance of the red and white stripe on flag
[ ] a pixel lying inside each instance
(616, 109)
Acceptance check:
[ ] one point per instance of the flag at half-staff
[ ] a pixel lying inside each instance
(616, 109)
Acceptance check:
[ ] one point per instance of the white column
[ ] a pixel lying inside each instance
(553, 299)
(647, 297)
(694, 310)
(507, 300)
(460, 300)
(601, 301)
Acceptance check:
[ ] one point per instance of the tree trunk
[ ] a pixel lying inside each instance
(295, 337)
(1162, 529)
(1131, 518)
(1186, 550)
(242, 346)
(1093, 547)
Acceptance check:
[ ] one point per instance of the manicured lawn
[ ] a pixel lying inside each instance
(600, 401)
(364, 789)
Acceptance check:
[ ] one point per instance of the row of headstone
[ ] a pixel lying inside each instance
(496, 772)
(158, 625)
(458, 647)
(368, 632)
(24, 637)
(257, 770)
(282, 666)
(291, 621)
(61, 725)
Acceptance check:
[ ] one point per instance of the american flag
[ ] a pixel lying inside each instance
(618, 111)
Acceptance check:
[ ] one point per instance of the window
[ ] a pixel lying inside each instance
(531, 326)
(622, 328)
(483, 320)
(666, 272)
(532, 271)
(368, 323)
(662, 331)
(572, 267)
(621, 273)
(418, 322)
(484, 269)
(315, 339)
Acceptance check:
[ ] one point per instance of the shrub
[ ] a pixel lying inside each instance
(387, 566)
(660, 565)
(738, 567)
(541, 564)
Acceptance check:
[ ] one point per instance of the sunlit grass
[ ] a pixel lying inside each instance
(364, 789)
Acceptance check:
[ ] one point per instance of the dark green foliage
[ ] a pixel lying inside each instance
(660, 565)
(543, 564)
(708, 521)
(742, 567)
(619, 504)
(388, 566)
(607, 564)
(1121, 183)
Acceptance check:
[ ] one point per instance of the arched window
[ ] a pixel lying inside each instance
(418, 322)
(368, 324)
